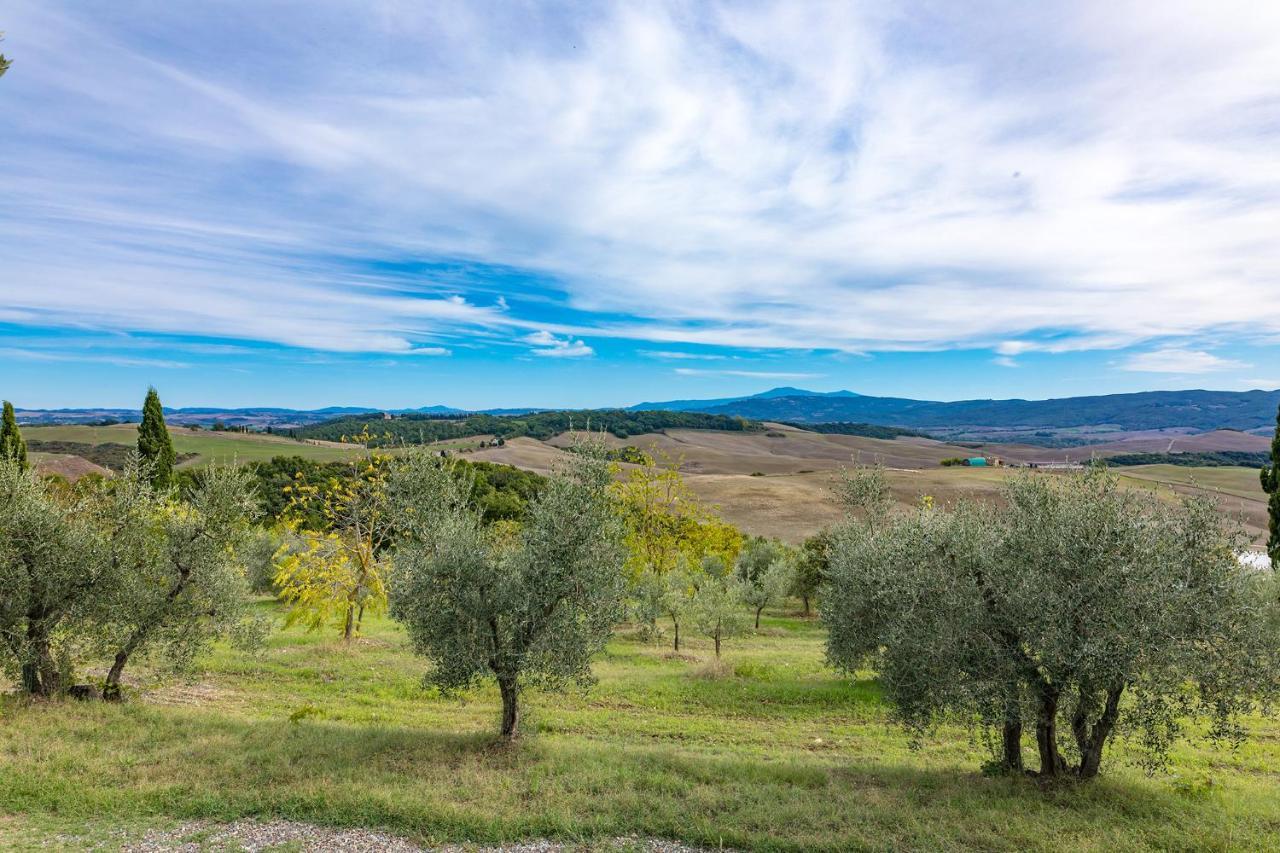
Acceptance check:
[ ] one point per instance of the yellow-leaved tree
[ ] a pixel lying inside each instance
(336, 575)
(666, 521)
(667, 527)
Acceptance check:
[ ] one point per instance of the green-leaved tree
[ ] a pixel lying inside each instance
(527, 607)
(1076, 609)
(716, 608)
(765, 569)
(811, 568)
(154, 444)
(12, 445)
(54, 565)
(1271, 485)
(185, 583)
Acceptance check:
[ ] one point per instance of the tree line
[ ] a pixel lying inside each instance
(424, 429)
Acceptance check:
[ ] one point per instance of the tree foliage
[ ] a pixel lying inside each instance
(666, 523)
(1077, 608)
(11, 444)
(180, 580)
(423, 429)
(765, 571)
(528, 607)
(716, 606)
(1271, 485)
(501, 492)
(154, 444)
(53, 564)
(334, 572)
(811, 568)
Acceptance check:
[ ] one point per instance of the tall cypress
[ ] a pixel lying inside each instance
(1271, 485)
(154, 444)
(11, 444)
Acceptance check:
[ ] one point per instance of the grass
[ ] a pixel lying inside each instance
(1230, 480)
(775, 752)
(224, 447)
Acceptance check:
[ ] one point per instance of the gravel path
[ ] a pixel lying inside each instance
(253, 836)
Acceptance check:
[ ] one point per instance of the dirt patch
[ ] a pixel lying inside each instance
(188, 695)
(252, 835)
(66, 465)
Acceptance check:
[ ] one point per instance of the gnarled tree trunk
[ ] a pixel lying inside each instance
(510, 690)
(1092, 740)
(1051, 763)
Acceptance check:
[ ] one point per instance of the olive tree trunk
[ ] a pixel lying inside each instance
(510, 690)
(1051, 763)
(40, 674)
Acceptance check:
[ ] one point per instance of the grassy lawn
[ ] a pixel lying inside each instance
(222, 447)
(780, 753)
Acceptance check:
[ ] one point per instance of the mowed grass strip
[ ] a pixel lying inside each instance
(778, 754)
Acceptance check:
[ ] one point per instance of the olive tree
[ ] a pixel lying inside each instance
(54, 561)
(716, 607)
(810, 569)
(183, 581)
(528, 608)
(765, 571)
(1076, 608)
(677, 597)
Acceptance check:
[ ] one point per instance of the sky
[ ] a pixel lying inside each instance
(399, 204)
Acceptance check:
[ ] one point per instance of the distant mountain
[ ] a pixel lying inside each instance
(1070, 420)
(1151, 410)
(255, 417)
(702, 405)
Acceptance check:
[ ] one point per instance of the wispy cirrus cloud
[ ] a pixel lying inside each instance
(750, 374)
(670, 355)
(89, 358)
(751, 176)
(1175, 360)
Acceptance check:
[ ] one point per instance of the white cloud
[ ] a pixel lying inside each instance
(85, 358)
(753, 374)
(1174, 360)
(1004, 361)
(547, 344)
(430, 351)
(789, 175)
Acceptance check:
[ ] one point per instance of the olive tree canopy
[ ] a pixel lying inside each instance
(182, 581)
(54, 562)
(529, 607)
(1076, 609)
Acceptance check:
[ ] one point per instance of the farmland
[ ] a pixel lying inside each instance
(209, 447)
(774, 481)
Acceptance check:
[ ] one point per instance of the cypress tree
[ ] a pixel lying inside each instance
(154, 444)
(11, 444)
(1271, 485)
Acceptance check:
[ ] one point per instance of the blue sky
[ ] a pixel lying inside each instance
(400, 204)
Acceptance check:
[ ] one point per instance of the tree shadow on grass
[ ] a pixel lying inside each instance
(124, 763)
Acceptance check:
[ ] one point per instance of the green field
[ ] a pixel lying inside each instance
(779, 753)
(1239, 482)
(222, 447)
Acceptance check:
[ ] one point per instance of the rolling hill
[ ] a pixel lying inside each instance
(1066, 420)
